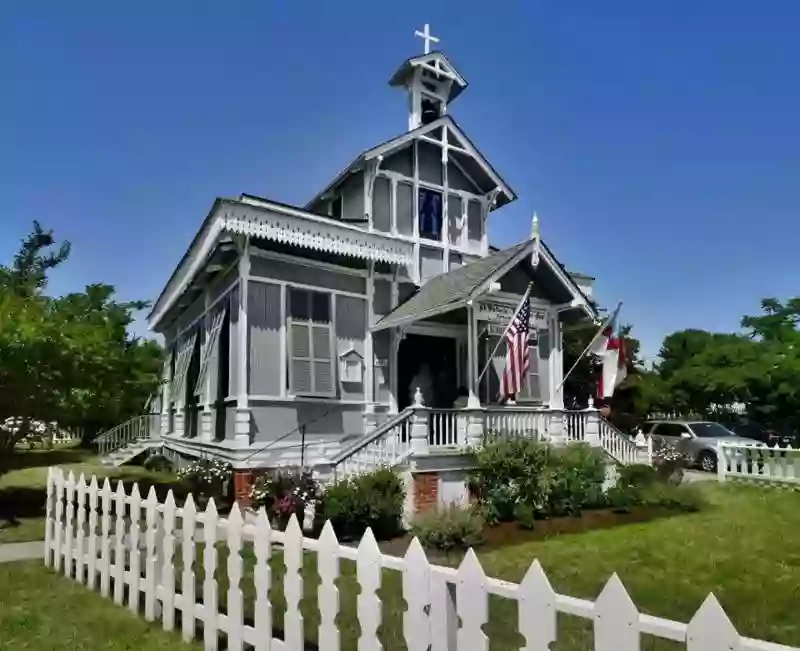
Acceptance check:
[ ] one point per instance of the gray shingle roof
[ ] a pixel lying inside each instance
(451, 290)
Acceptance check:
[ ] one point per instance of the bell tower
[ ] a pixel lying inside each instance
(431, 82)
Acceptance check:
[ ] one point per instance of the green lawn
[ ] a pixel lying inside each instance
(745, 548)
(41, 611)
(23, 489)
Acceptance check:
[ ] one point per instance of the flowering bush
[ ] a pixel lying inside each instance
(669, 462)
(286, 492)
(207, 477)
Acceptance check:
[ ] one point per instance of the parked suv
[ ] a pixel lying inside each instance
(743, 426)
(696, 439)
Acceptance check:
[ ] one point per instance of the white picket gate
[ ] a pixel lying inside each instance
(81, 543)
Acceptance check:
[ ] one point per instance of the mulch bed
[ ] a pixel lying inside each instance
(509, 533)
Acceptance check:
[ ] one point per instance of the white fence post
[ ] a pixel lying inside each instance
(446, 609)
(722, 461)
(48, 518)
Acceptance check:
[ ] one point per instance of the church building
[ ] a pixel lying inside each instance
(294, 331)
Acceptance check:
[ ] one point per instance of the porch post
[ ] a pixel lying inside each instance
(556, 362)
(166, 398)
(242, 420)
(370, 420)
(475, 414)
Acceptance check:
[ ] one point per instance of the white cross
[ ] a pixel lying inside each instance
(427, 36)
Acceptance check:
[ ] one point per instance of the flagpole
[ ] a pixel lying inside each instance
(586, 350)
(500, 341)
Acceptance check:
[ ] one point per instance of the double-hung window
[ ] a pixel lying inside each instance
(310, 345)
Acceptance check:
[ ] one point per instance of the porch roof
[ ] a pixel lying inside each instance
(454, 289)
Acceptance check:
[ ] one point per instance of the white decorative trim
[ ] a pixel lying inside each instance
(297, 228)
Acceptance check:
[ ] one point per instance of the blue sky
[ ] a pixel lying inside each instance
(659, 142)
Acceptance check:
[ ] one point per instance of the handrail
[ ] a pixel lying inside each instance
(617, 444)
(120, 435)
(373, 436)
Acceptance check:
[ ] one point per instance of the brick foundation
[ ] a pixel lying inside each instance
(426, 491)
(243, 480)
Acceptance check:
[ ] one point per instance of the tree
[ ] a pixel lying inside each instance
(69, 359)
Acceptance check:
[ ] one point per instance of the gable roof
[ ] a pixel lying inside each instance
(507, 195)
(451, 290)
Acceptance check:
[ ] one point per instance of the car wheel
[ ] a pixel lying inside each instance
(708, 462)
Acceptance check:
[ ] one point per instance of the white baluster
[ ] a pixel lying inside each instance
(537, 610)
(293, 584)
(416, 592)
(328, 593)
(235, 599)
(711, 630)
(91, 571)
(368, 571)
(472, 604)
(188, 597)
(119, 543)
(168, 566)
(210, 601)
(150, 566)
(262, 580)
(105, 538)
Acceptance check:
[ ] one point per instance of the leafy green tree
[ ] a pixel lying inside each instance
(69, 359)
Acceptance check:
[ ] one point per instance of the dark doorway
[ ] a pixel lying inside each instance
(439, 354)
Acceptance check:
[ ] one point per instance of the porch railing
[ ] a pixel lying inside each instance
(389, 444)
(507, 422)
(138, 427)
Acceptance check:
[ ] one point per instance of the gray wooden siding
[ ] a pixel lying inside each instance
(298, 273)
(430, 163)
(474, 222)
(352, 192)
(322, 422)
(351, 332)
(405, 209)
(382, 297)
(430, 261)
(381, 205)
(454, 218)
(457, 181)
(535, 389)
(455, 260)
(381, 345)
(401, 162)
(516, 281)
(264, 318)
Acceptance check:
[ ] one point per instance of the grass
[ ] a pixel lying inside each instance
(43, 611)
(745, 548)
(23, 488)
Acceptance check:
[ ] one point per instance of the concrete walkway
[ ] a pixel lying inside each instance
(23, 551)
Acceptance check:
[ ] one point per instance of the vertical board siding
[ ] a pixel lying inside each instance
(265, 315)
(233, 338)
(351, 332)
(440, 608)
(381, 205)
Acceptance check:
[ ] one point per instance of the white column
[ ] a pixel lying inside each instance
(472, 357)
(394, 346)
(370, 421)
(555, 361)
(166, 406)
(242, 422)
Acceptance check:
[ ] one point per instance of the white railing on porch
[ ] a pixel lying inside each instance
(618, 445)
(760, 464)
(151, 565)
(511, 421)
(138, 427)
(389, 444)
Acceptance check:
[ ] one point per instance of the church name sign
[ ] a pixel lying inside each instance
(500, 314)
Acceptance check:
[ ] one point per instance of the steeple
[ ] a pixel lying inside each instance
(431, 82)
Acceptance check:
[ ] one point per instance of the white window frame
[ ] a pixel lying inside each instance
(310, 325)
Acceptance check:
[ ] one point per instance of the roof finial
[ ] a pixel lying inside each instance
(426, 35)
(535, 226)
(537, 242)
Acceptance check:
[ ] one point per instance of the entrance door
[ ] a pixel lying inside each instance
(439, 355)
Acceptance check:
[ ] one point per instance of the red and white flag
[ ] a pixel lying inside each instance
(517, 356)
(612, 357)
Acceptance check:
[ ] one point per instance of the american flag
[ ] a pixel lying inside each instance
(518, 360)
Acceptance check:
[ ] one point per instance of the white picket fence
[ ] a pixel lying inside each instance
(770, 465)
(134, 562)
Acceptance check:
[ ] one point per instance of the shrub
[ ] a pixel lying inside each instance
(524, 515)
(374, 499)
(284, 493)
(681, 498)
(577, 474)
(637, 474)
(158, 463)
(669, 462)
(207, 477)
(509, 472)
(451, 528)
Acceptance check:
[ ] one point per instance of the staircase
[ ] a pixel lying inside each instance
(126, 441)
